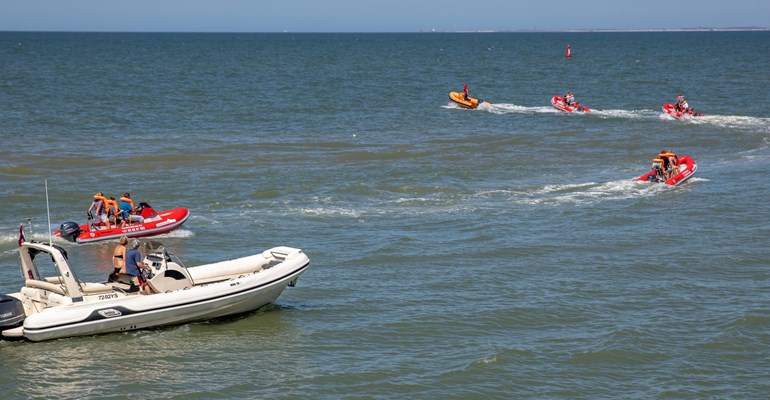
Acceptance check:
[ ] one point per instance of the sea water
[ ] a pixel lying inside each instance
(502, 252)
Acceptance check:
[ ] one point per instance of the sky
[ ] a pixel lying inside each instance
(375, 15)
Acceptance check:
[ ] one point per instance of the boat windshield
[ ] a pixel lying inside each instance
(159, 249)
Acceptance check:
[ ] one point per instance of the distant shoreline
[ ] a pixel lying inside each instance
(535, 30)
(736, 29)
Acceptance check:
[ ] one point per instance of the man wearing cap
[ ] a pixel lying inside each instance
(134, 264)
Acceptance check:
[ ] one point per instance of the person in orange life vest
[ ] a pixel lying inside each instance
(670, 163)
(681, 104)
(128, 211)
(112, 212)
(99, 208)
(664, 163)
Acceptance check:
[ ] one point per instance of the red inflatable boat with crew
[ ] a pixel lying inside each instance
(559, 103)
(684, 168)
(153, 223)
(671, 110)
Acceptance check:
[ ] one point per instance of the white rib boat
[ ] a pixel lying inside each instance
(53, 303)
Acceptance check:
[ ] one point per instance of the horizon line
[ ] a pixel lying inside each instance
(535, 30)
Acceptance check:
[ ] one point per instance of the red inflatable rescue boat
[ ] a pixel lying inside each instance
(155, 223)
(558, 102)
(685, 167)
(669, 109)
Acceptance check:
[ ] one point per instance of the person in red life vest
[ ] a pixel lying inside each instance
(465, 93)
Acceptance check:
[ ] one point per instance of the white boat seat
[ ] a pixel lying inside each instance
(95, 288)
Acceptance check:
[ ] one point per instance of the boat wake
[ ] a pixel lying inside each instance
(517, 109)
(732, 122)
(722, 121)
(178, 233)
(450, 201)
(586, 193)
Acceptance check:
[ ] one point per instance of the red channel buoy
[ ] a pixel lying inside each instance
(569, 54)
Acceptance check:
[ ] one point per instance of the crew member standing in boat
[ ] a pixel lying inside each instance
(465, 93)
(99, 207)
(112, 212)
(134, 265)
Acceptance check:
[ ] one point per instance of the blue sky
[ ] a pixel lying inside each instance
(375, 15)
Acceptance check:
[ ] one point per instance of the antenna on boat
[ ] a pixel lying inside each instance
(48, 209)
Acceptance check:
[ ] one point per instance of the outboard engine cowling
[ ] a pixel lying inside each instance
(11, 312)
(69, 231)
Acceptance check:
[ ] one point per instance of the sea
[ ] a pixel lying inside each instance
(503, 252)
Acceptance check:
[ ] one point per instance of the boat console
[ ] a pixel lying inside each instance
(168, 273)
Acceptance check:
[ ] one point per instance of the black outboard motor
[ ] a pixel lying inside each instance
(69, 231)
(11, 312)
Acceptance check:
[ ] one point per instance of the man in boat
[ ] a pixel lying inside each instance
(681, 104)
(127, 210)
(657, 167)
(99, 208)
(672, 167)
(145, 210)
(134, 267)
(669, 163)
(465, 93)
(112, 212)
(569, 99)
